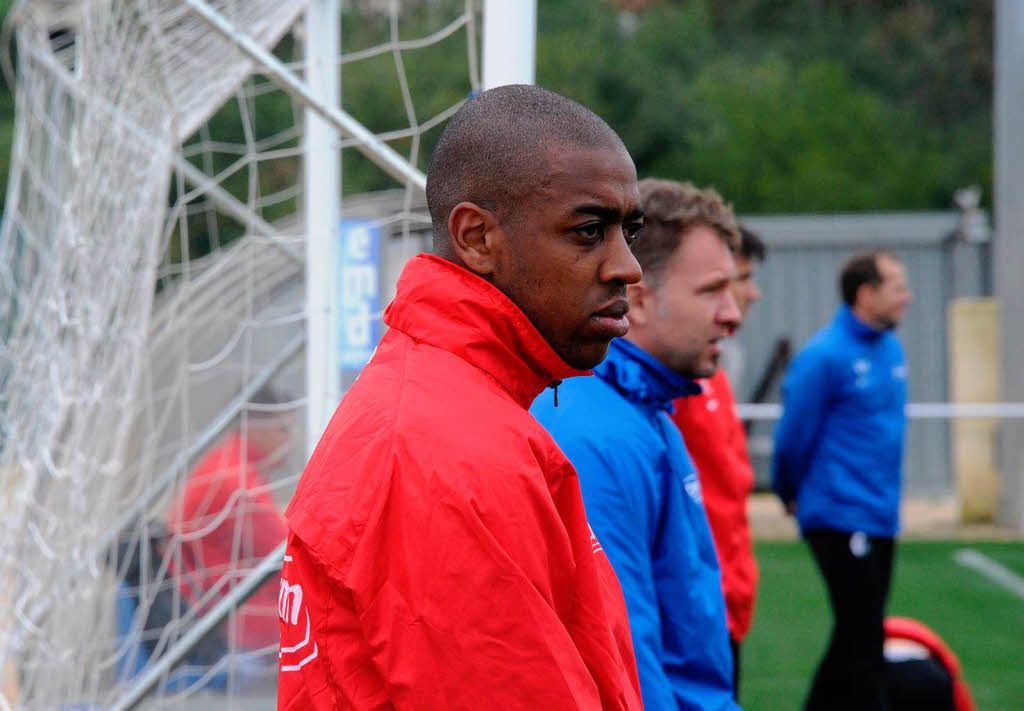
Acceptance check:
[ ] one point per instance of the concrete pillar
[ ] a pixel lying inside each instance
(974, 377)
(1009, 243)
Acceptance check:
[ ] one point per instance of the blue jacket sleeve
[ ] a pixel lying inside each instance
(805, 396)
(623, 514)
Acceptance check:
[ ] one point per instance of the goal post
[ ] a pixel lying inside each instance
(322, 163)
(154, 283)
(510, 40)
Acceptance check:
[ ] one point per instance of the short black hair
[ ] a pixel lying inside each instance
(267, 394)
(264, 399)
(751, 244)
(861, 269)
(492, 151)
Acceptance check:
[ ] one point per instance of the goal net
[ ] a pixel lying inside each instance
(153, 314)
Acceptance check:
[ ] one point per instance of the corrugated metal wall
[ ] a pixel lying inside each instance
(800, 295)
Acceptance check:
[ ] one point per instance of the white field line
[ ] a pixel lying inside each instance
(996, 572)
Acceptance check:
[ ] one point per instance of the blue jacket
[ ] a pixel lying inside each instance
(642, 496)
(839, 444)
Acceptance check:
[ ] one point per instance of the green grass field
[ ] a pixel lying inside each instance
(981, 621)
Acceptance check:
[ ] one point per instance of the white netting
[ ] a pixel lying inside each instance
(151, 287)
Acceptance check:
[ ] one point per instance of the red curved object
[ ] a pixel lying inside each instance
(914, 631)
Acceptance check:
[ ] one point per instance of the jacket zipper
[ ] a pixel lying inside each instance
(554, 388)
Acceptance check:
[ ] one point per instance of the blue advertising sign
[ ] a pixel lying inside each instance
(358, 292)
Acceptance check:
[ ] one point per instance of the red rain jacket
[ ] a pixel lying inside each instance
(715, 439)
(226, 497)
(439, 556)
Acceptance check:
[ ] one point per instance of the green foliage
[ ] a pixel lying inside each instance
(437, 79)
(820, 105)
(266, 116)
(6, 116)
(788, 107)
(6, 138)
(791, 138)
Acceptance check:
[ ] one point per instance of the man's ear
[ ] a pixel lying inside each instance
(475, 237)
(641, 303)
(864, 296)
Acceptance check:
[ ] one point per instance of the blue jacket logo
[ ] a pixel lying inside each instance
(692, 484)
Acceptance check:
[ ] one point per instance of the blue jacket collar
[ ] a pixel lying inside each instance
(640, 377)
(849, 322)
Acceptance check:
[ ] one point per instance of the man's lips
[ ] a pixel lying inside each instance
(610, 320)
(715, 345)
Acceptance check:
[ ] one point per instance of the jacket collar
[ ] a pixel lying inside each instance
(642, 378)
(849, 322)
(443, 305)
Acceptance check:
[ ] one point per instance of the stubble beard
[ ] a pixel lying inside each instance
(693, 366)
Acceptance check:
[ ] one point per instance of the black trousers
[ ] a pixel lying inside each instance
(857, 570)
(735, 646)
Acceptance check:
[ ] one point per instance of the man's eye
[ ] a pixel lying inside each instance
(632, 231)
(592, 231)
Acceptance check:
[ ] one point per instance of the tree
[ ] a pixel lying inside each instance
(785, 105)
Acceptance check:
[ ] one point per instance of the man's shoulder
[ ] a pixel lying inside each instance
(418, 437)
(589, 408)
(225, 455)
(824, 349)
(416, 389)
(452, 439)
(597, 427)
(591, 395)
(826, 338)
(833, 349)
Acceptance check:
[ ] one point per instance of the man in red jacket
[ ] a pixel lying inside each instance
(226, 516)
(715, 439)
(439, 556)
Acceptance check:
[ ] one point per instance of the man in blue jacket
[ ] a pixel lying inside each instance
(837, 467)
(640, 488)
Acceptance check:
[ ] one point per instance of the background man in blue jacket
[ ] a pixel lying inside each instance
(640, 488)
(837, 467)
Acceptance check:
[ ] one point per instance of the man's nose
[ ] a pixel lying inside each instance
(619, 263)
(729, 311)
(755, 293)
